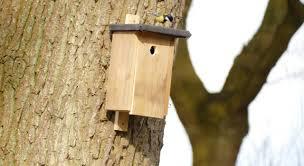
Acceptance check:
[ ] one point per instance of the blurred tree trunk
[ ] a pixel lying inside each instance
(54, 56)
(217, 123)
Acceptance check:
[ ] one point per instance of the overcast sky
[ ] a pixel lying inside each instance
(276, 116)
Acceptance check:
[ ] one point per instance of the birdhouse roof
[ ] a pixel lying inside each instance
(177, 33)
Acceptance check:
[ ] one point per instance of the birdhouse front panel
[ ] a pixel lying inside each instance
(153, 74)
(121, 76)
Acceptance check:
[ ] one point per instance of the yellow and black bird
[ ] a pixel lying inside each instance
(164, 18)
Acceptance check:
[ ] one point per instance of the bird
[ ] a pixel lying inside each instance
(164, 18)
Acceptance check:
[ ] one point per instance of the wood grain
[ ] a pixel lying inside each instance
(122, 68)
(121, 74)
(153, 75)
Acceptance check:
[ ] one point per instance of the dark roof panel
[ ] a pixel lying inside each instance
(150, 28)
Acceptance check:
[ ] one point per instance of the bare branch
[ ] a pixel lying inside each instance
(251, 68)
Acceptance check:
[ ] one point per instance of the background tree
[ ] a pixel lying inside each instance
(54, 57)
(216, 123)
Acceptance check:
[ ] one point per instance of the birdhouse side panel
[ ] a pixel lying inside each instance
(153, 75)
(120, 85)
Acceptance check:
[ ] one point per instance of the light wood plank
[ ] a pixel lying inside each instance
(132, 19)
(121, 74)
(121, 121)
(120, 87)
(153, 75)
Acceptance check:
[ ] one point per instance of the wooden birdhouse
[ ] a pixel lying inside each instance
(140, 70)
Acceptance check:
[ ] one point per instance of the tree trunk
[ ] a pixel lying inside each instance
(54, 56)
(219, 139)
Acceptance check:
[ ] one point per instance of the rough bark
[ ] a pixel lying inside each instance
(54, 56)
(217, 123)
